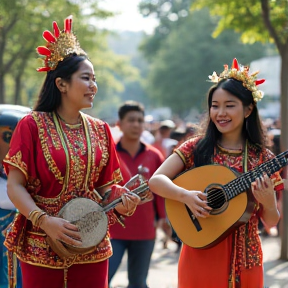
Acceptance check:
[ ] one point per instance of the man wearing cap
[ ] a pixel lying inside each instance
(163, 141)
(9, 117)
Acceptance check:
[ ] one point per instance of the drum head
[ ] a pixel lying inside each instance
(90, 219)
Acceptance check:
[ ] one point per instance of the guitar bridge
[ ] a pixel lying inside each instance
(194, 219)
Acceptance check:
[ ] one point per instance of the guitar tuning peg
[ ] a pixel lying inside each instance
(143, 172)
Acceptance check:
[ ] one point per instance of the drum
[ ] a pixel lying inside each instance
(91, 219)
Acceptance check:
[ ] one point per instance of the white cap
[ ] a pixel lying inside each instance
(167, 123)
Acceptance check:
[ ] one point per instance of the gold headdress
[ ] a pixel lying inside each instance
(240, 73)
(60, 45)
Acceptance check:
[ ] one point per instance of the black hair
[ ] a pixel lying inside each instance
(50, 97)
(130, 106)
(252, 129)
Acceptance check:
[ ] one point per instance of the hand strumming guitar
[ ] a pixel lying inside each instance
(197, 203)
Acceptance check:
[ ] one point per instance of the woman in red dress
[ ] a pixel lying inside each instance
(233, 137)
(58, 154)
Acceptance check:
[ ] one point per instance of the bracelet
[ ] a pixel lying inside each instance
(41, 219)
(35, 215)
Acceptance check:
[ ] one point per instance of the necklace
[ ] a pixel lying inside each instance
(77, 125)
(233, 149)
(63, 139)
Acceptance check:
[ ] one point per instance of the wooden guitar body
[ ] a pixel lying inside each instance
(207, 232)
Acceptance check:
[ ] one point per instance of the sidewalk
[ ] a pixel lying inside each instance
(163, 267)
(276, 271)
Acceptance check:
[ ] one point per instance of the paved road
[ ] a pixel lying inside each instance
(163, 268)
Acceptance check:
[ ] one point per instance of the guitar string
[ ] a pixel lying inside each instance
(275, 165)
(241, 182)
(219, 198)
(243, 185)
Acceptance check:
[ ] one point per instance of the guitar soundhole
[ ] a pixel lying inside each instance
(216, 199)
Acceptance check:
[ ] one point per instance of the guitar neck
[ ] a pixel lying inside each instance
(243, 182)
(140, 189)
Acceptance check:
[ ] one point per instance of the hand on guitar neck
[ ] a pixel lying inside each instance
(263, 190)
(264, 193)
(129, 200)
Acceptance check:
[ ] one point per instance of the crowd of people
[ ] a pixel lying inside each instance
(59, 155)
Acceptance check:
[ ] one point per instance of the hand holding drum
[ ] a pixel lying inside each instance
(82, 223)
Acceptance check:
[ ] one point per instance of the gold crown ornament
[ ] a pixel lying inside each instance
(241, 73)
(59, 45)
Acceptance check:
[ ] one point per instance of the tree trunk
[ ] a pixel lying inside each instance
(2, 72)
(17, 96)
(2, 89)
(284, 146)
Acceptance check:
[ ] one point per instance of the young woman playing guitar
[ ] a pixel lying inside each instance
(233, 137)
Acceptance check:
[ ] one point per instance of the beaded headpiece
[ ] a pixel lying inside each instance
(241, 73)
(60, 45)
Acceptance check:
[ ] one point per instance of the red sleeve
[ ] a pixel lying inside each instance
(124, 171)
(110, 173)
(22, 150)
(159, 201)
(186, 150)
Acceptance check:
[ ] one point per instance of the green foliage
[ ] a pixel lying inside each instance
(126, 43)
(179, 72)
(246, 16)
(21, 25)
(170, 13)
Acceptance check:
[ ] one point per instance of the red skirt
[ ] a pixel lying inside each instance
(210, 268)
(92, 275)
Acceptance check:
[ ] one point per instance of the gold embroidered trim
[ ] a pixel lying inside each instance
(45, 148)
(117, 177)
(16, 161)
(181, 156)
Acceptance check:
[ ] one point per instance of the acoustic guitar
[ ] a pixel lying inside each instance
(229, 196)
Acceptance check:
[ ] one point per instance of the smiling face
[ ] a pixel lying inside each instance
(80, 91)
(228, 113)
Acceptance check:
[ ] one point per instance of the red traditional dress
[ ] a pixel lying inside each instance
(60, 162)
(239, 256)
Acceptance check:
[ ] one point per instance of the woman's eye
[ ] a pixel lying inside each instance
(230, 106)
(85, 78)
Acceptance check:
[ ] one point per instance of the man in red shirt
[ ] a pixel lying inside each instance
(138, 236)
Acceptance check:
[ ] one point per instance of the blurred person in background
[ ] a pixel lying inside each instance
(138, 235)
(9, 117)
(163, 141)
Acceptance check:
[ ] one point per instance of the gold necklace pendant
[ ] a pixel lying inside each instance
(73, 126)
(76, 125)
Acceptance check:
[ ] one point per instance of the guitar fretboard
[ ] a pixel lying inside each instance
(243, 182)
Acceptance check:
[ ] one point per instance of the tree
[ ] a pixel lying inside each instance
(170, 13)
(260, 20)
(133, 85)
(21, 26)
(181, 66)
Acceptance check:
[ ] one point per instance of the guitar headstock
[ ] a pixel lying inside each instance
(282, 157)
